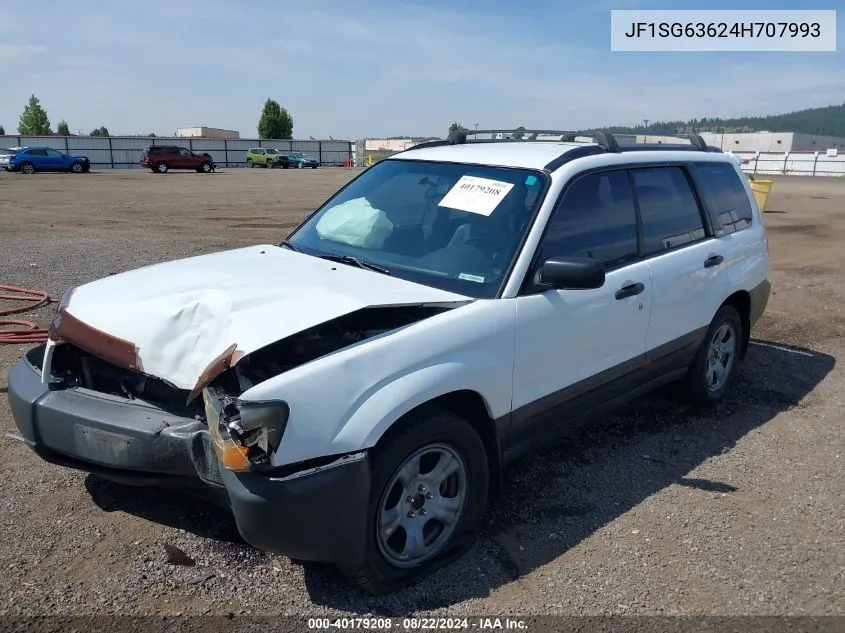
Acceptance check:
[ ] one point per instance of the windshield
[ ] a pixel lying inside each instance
(452, 226)
(270, 150)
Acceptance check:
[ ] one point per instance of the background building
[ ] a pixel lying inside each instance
(207, 132)
(773, 142)
(388, 144)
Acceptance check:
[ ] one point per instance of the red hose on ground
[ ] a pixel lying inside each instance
(24, 331)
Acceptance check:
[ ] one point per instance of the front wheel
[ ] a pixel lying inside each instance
(269, 164)
(205, 168)
(313, 166)
(713, 371)
(77, 168)
(428, 495)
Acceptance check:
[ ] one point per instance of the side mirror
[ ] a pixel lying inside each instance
(572, 273)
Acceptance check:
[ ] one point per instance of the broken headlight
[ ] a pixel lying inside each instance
(244, 434)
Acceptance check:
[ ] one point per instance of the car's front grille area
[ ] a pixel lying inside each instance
(75, 367)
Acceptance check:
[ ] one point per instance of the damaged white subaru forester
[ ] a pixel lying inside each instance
(353, 393)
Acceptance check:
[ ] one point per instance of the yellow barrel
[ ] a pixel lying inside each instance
(761, 190)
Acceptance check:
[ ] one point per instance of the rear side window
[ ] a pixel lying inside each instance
(725, 195)
(668, 209)
(596, 218)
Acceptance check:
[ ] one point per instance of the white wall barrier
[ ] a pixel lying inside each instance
(793, 163)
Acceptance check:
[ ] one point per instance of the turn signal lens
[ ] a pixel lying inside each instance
(234, 457)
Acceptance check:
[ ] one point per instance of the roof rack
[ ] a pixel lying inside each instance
(605, 140)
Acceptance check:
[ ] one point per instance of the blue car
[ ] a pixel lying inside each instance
(28, 160)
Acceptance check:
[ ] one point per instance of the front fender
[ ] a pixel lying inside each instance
(383, 408)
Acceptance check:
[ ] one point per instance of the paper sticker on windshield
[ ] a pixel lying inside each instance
(475, 278)
(476, 195)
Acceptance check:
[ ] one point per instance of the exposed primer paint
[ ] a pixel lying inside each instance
(66, 327)
(224, 361)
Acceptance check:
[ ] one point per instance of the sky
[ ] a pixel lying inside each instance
(374, 68)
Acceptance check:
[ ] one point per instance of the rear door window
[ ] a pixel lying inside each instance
(669, 211)
(725, 195)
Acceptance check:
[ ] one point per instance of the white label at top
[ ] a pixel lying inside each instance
(476, 195)
(723, 30)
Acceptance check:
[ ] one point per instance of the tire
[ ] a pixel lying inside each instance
(77, 168)
(205, 167)
(705, 383)
(161, 167)
(249, 163)
(299, 165)
(431, 432)
(27, 168)
(269, 164)
(313, 166)
(285, 165)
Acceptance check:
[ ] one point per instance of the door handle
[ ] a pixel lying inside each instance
(630, 289)
(713, 260)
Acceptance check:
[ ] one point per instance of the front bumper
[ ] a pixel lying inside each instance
(318, 514)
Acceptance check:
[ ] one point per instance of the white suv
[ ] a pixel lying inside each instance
(354, 392)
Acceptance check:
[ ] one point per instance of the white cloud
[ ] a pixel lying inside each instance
(10, 52)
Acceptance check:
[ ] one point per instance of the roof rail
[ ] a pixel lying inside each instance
(605, 140)
(695, 140)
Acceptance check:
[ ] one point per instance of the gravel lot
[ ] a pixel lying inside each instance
(657, 510)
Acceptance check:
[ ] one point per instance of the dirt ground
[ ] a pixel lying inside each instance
(659, 509)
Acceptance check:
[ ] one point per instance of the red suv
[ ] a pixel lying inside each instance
(162, 158)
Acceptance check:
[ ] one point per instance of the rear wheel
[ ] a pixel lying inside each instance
(27, 168)
(162, 167)
(249, 163)
(713, 371)
(428, 495)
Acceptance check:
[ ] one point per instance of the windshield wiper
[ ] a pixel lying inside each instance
(290, 245)
(354, 261)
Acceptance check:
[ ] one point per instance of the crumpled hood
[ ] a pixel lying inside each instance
(182, 315)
